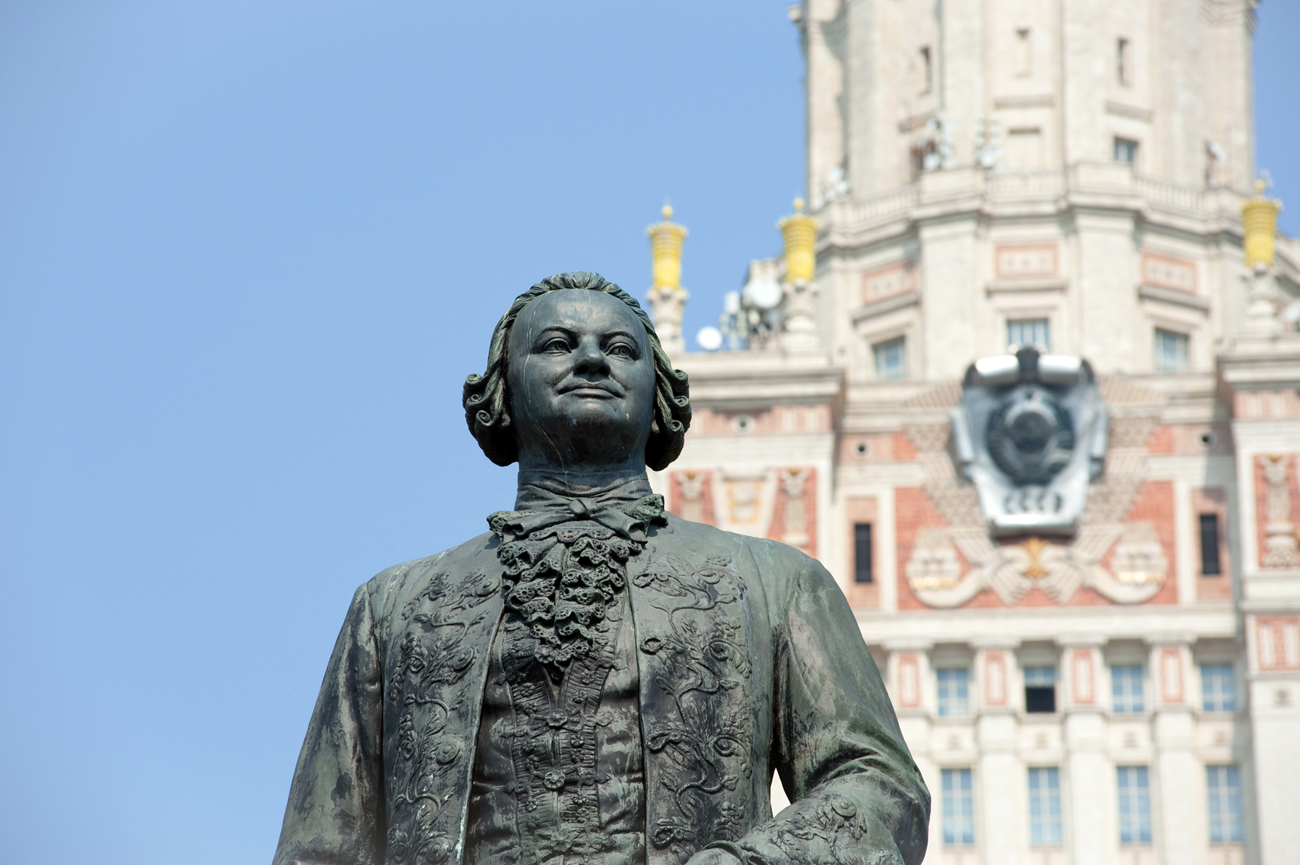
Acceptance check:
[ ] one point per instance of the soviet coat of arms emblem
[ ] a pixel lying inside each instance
(1031, 432)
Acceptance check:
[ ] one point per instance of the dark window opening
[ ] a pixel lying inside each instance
(1040, 699)
(1210, 566)
(862, 553)
(1040, 690)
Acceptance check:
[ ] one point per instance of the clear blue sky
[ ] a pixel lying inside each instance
(248, 253)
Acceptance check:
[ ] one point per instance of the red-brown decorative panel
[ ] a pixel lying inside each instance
(1082, 677)
(995, 678)
(909, 680)
(1171, 674)
(1278, 642)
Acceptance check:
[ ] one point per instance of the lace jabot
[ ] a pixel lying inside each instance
(565, 551)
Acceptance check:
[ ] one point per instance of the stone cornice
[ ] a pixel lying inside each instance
(966, 193)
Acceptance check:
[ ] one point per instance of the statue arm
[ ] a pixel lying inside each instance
(857, 795)
(336, 807)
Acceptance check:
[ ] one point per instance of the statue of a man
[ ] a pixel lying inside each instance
(595, 680)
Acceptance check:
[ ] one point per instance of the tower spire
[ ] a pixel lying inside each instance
(667, 297)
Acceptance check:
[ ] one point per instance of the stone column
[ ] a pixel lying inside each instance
(1178, 812)
(1001, 812)
(1273, 646)
(799, 330)
(667, 305)
(1089, 775)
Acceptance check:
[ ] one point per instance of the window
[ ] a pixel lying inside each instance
(1024, 52)
(1210, 566)
(958, 808)
(1126, 150)
(1218, 688)
(1134, 805)
(891, 359)
(1223, 787)
(954, 692)
(1126, 688)
(1171, 351)
(1029, 331)
(1045, 807)
(1040, 689)
(926, 78)
(1124, 62)
(862, 553)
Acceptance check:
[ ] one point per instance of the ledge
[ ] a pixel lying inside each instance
(902, 300)
(1119, 109)
(1001, 286)
(1174, 296)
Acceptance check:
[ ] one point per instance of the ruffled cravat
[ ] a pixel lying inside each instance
(565, 553)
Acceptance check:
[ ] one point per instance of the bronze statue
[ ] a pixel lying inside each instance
(595, 680)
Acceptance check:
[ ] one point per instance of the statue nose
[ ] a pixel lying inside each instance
(589, 358)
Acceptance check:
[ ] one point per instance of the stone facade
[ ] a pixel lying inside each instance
(1071, 176)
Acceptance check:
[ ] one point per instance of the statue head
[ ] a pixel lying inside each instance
(576, 377)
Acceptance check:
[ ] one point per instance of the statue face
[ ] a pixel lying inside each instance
(580, 381)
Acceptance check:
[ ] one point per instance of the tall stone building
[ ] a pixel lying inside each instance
(1026, 380)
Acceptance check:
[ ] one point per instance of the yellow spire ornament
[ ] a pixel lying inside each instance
(666, 250)
(667, 297)
(1259, 219)
(800, 231)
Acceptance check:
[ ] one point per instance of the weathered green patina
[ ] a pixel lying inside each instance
(743, 656)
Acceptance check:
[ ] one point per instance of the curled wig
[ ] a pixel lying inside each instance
(487, 405)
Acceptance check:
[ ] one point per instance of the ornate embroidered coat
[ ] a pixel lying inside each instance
(749, 660)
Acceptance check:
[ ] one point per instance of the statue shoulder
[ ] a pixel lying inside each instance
(394, 585)
(777, 564)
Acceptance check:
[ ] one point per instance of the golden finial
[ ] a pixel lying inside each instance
(666, 250)
(800, 231)
(1259, 220)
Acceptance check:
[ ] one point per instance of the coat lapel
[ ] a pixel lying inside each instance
(697, 708)
(439, 660)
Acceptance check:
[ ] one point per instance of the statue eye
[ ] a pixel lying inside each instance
(559, 344)
(620, 349)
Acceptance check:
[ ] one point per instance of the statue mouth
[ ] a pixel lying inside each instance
(591, 389)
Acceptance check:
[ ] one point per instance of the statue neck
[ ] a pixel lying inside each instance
(622, 484)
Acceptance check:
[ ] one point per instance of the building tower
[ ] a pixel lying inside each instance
(1032, 398)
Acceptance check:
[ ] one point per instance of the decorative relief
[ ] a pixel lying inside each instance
(744, 497)
(695, 661)
(1277, 640)
(794, 488)
(933, 564)
(1026, 261)
(888, 281)
(1165, 272)
(1279, 531)
(694, 496)
(1140, 557)
(1031, 432)
(1059, 566)
(447, 623)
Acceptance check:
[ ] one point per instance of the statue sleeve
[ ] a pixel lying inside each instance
(336, 808)
(857, 795)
